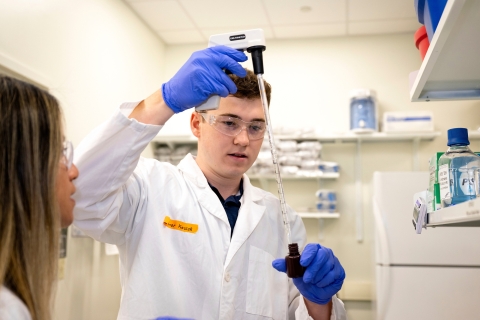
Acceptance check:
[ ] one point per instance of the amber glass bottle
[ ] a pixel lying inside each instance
(294, 268)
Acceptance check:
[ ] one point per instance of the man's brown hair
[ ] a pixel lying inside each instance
(247, 87)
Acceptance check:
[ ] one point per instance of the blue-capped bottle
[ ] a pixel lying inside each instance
(457, 169)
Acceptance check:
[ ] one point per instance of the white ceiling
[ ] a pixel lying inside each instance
(193, 21)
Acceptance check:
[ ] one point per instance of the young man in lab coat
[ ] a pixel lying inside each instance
(184, 250)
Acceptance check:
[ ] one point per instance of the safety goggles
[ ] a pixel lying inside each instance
(67, 157)
(232, 127)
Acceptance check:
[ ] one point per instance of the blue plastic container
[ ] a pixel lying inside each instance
(363, 111)
(429, 13)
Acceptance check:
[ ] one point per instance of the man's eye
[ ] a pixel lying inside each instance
(230, 123)
(254, 127)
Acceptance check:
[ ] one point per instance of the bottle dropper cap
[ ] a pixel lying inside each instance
(458, 136)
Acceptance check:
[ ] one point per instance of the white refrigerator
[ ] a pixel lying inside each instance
(433, 275)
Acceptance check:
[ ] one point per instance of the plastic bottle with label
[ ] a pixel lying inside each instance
(457, 169)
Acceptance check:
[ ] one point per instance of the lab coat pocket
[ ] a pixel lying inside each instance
(266, 287)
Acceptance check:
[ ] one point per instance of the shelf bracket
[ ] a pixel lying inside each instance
(320, 229)
(416, 161)
(358, 192)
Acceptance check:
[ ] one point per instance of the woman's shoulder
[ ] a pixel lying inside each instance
(11, 307)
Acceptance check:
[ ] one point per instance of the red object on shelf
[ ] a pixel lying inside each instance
(421, 41)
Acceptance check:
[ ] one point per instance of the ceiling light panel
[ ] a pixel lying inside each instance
(225, 13)
(283, 12)
(163, 14)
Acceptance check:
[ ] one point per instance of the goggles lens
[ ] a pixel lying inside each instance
(231, 126)
(67, 154)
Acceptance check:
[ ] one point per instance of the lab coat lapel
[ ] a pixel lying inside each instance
(249, 216)
(206, 197)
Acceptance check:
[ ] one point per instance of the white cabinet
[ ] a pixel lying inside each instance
(451, 68)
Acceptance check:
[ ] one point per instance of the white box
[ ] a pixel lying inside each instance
(399, 121)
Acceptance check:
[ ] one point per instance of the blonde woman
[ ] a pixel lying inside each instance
(36, 185)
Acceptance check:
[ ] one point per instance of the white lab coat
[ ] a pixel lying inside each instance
(11, 306)
(123, 199)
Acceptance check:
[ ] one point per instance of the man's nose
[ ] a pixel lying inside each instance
(242, 137)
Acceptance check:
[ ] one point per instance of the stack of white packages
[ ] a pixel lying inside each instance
(301, 159)
(309, 152)
(295, 132)
(162, 153)
(288, 158)
(263, 165)
(174, 156)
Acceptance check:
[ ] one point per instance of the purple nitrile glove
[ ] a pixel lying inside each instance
(323, 276)
(202, 76)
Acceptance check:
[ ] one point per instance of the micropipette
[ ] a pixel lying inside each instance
(254, 42)
(273, 150)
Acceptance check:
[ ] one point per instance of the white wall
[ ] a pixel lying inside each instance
(93, 55)
(311, 80)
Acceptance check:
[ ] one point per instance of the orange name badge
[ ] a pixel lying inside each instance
(180, 225)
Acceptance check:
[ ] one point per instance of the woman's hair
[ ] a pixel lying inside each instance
(247, 87)
(30, 150)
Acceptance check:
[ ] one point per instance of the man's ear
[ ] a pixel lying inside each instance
(195, 119)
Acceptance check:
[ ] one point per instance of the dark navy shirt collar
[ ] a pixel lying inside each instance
(233, 198)
(231, 205)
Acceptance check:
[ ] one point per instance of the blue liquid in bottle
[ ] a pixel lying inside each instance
(458, 169)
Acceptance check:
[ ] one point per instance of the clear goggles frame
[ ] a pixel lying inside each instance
(67, 154)
(232, 127)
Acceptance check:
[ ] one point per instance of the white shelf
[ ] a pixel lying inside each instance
(451, 68)
(466, 214)
(178, 139)
(364, 137)
(346, 137)
(319, 215)
(332, 175)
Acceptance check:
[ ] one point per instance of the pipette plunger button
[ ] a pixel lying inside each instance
(257, 58)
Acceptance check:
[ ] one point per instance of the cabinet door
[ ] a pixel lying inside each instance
(419, 293)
